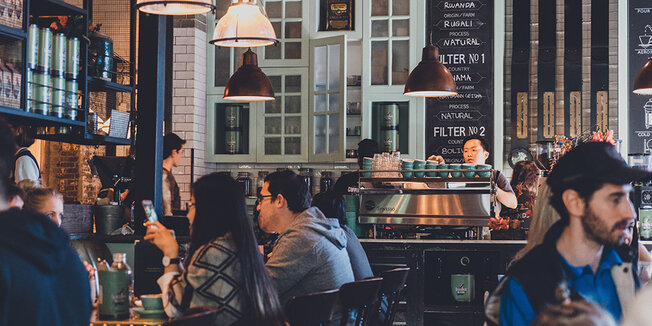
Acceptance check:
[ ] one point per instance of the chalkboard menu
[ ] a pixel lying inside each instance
(463, 32)
(640, 48)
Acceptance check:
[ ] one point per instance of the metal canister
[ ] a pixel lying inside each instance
(71, 99)
(232, 116)
(59, 55)
(232, 141)
(43, 92)
(58, 97)
(32, 46)
(389, 139)
(72, 58)
(29, 85)
(390, 115)
(45, 50)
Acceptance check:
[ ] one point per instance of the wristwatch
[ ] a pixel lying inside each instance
(167, 261)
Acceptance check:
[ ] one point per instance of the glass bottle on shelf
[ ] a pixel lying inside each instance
(261, 181)
(326, 182)
(306, 174)
(245, 183)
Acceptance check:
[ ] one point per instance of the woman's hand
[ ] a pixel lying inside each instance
(161, 237)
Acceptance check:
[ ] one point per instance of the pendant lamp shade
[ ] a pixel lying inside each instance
(643, 81)
(175, 7)
(249, 83)
(430, 78)
(244, 25)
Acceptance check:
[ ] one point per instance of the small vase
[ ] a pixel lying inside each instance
(100, 56)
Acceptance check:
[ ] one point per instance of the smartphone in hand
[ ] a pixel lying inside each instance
(148, 206)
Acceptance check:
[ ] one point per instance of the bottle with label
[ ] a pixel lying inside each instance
(306, 175)
(326, 182)
(245, 183)
(116, 289)
(261, 181)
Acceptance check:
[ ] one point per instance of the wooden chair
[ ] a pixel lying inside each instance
(198, 316)
(358, 301)
(312, 309)
(390, 291)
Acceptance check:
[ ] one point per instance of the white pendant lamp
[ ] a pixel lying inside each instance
(244, 25)
(175, 7)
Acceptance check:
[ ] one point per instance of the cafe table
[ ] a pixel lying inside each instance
(134, 320)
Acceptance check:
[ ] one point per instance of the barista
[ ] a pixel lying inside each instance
(347, 184)
(476, 152)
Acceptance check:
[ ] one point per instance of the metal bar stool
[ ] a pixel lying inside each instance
(358, 301)
(312, 309)
(390, 291)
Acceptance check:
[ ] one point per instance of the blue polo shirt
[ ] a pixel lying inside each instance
(515, 307)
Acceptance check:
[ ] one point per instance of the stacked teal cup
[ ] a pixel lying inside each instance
(431, 165)
(443, 174)
(457, 173)
(419, 165)
(407, 165)
(366, 165)
(469, 166)
(486, 173)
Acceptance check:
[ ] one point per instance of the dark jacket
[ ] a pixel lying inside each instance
(543, 277)
(42, 280)
(357, 255)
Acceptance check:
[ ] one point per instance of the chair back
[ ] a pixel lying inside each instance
(198, 316)
(312, 309)
(390, 291)
(358, 300)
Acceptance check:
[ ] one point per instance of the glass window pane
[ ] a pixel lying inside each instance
(400, 7)
(379, 28)
(400, 62)
(379, 63)
(320, 134)
(293, 30)
(400, 27)
(320, 68)
(293, 84)
(293, 125)
(292, 104)
(273, 106)
(292, 50)
(293, 10)
(292, 145)
(272, 125)
(379, 8)
(334, 101)
(237, 57)
(273, 9)
(334, 133)
(320, 103)
(334, 66)
(222, 68)
(276, 82)
(273, 51)
(277, 28)
(273, 145)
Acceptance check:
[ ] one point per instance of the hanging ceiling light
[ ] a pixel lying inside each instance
(175, 7)
(643, 81)
(244, 25)
(249, 83)
(430, 78)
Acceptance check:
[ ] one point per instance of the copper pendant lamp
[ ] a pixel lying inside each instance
(430, 78)
(249, 83)
(245, 24)
(175, 7)
(643, 81)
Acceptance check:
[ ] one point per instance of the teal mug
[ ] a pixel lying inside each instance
(468, 166)
(484, 174)
(442, 167)
(407, 165)
(419, 165)
(463, 287)
(457, 173)
(431, 165)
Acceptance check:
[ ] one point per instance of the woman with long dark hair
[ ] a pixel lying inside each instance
(224, 267)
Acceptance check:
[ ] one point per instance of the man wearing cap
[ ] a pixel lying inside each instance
(578, 259)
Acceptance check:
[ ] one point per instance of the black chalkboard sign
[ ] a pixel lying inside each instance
(463, 32)
(640, 48)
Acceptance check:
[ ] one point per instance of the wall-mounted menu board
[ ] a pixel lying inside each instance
(463, 32)
(640, 48)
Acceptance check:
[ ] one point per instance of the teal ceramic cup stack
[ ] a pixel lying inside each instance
(366, 165)
(431, 165)
(486, 173)
(407, 165)
(419, 165)
(457, 173)
(468, 166)
(442, 174)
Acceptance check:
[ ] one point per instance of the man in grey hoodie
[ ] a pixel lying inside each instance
(310, 253)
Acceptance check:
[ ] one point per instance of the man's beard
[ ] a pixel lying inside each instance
(598, 231)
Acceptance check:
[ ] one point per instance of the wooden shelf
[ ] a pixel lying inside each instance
(55, 8)
(10, 34)
(89, 139)
(96, 84)
(39, 119)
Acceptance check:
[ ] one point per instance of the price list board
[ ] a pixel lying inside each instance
(463, 32)
(640, 49)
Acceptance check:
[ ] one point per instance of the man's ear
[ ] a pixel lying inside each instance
(280, 201)
(575, 204)
(486, 155)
